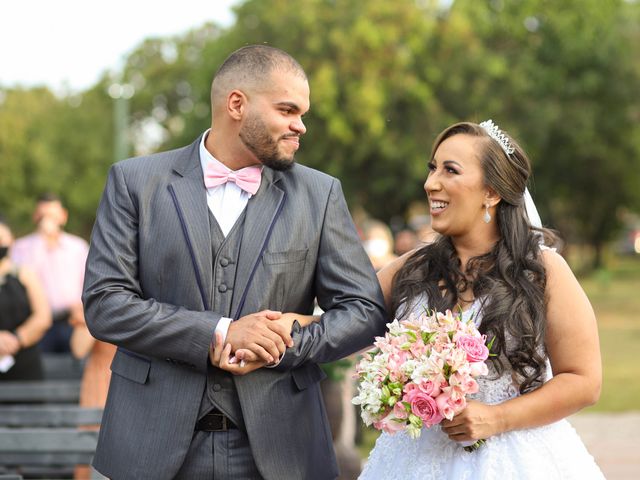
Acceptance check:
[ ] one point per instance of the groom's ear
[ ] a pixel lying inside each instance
(236, 104)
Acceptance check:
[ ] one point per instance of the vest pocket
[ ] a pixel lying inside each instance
(289, 261)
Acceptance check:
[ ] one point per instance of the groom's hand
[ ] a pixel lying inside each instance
(286, 322)
(219, 355)
(258, 333)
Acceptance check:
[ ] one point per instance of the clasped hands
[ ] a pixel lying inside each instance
(252, 342)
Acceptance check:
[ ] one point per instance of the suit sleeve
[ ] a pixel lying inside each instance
(347, 290)
(116, 309)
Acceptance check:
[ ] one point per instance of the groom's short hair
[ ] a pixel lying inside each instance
(251, 66)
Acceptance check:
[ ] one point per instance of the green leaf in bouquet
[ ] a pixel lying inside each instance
(386, 393)
(427, 337)
(396, 388)
(415, 420)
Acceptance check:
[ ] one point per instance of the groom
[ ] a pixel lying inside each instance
(220, 236)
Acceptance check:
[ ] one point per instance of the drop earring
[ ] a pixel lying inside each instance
(487, 215)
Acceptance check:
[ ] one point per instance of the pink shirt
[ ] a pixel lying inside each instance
(60, 268)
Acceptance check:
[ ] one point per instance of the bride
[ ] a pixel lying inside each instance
(492, 263)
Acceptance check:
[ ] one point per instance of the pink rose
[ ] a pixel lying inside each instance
(409, 387)
(474, 347)
(390, 424)
(400, 411)
(429, 387)
(424, 407)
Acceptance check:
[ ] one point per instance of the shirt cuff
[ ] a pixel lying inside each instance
(275, 364)
(222, 327)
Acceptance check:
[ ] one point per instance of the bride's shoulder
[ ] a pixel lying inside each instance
(557, 270)
(551, 258)
(390, 270)
(388, 273)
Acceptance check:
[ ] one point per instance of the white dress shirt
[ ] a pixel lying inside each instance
(226, 202)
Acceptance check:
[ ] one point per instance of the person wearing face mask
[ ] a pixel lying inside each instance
(378, 243)
(24, 316)
(58, 258)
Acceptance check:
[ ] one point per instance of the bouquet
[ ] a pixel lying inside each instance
(420, 372)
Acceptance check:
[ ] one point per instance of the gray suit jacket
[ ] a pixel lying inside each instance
(148, 287)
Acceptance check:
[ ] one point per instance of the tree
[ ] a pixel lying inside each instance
(562, 77)
(48, 144)
(385, 78)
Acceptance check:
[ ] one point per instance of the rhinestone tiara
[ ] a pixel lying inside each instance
(495, 133)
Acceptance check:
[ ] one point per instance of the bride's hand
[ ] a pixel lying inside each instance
(286, 320)
(476, 422)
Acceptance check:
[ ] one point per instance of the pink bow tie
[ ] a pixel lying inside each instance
(248, 178)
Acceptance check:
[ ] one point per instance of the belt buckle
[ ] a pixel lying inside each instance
(225, 420)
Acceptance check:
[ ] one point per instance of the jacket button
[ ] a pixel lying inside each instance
(222, 288)
(217, 387)
(224, 262)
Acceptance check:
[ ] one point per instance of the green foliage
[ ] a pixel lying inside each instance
(336, 371)
(616, 306)
(55, 145)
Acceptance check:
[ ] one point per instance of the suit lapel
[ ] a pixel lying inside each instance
(190, 197)
(261, 214)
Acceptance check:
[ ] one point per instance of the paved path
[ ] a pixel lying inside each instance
(614, 441)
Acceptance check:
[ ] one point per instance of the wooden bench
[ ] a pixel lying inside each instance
(45, 391)
(44, 441)
(61, 366)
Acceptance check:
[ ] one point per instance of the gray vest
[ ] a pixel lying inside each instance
(220, 391)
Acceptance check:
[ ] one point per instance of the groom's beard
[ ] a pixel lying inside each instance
(256, 138)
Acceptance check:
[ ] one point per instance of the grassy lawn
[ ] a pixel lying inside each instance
(615, 296)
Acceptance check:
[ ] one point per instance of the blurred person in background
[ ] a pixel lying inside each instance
(58, 258)
(24, 316)
(378, 243)
(405, 240)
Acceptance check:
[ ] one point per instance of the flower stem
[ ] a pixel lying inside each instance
(475, 446)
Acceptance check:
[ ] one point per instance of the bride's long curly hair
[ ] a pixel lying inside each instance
(511, 277)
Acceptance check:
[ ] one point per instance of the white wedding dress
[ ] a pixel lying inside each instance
(550, 452)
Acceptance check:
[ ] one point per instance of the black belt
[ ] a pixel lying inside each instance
(215, 422)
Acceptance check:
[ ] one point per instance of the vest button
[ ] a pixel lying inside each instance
(224, 262)
(217, 387)
(222, 288)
